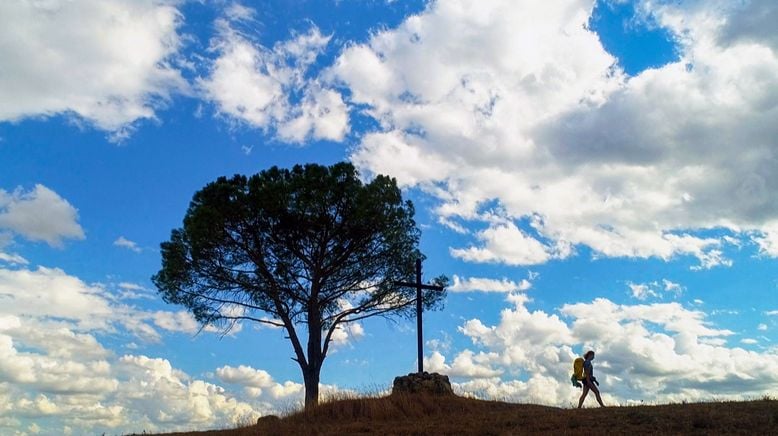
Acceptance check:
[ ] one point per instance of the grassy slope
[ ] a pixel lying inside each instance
(403, 415)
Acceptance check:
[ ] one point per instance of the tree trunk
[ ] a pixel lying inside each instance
(315, 357)
(311, 378)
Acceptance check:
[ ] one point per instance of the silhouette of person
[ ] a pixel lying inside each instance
(589, 380)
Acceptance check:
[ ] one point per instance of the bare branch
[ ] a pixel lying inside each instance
(251, 318)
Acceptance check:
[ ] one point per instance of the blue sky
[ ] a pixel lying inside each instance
(589, 175)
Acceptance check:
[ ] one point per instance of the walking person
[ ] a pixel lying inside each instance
(589, 381)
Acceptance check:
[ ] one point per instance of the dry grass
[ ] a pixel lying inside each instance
(422, 415)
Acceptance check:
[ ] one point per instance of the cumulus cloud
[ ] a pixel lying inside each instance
(519, 104)
(57, 373)
(466, 364)
(39, 215)
(66, 297)
(258, 382)
(260, 385)
(648, 352)
(91, 307)
(105, 61)
(255, 85)
(470, 284)
(54, 364)
(127, 394)
(162, 395)
(508, 244)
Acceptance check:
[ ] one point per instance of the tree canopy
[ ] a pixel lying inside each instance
(311, 246)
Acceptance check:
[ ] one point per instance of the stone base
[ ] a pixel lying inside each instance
(416, 383)
(267, 419)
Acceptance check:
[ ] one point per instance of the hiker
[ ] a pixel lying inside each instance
(589, 381)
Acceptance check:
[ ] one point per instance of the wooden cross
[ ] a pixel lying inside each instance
(419, 286)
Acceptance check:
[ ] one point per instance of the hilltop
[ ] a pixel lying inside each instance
(451, 415)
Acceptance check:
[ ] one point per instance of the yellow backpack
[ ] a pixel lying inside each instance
(578, 368)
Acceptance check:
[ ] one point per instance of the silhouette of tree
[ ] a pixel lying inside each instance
(312, 246)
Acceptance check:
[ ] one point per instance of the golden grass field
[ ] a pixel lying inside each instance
(441, 415)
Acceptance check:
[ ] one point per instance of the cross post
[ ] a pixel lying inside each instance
(419, 286)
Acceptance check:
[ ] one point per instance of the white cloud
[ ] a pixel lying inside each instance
(259, 383)
(767, 239)
(55, 374)
(675, 288)
(78, 307)
(254, 84)
(13, 259)
(642, 291)
(245, 375)
(134, 291)
(53, 363)
(382, 152)
(166, 397)
(505, 243)
(39, 215)
(320, 115)
(123, 242)
(762, 327)
(105, 61)
(65, 297)
(347, 333)
(662, 352)
(518, 103)
(181, 321)
(470, 284)
(655, 289)
(466, 364)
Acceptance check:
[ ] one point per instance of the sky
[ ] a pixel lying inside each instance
(590, 174)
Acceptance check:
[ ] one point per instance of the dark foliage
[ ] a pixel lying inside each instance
(312, 246)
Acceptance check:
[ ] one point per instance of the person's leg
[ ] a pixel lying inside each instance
(596, 391)
(583, 395)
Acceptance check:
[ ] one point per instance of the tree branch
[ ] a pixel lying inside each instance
(251, 318)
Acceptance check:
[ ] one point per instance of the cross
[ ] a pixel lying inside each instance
(419, 286)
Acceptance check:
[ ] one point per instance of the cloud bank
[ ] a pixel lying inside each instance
(518, 105)
(108, 62)
(56, 371)
(655, 353)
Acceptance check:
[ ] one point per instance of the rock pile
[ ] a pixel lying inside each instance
(415, 383)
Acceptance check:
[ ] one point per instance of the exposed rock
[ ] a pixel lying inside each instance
(267, 419)
(414, 383)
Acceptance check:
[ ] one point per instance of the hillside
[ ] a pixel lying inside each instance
(405, 415)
